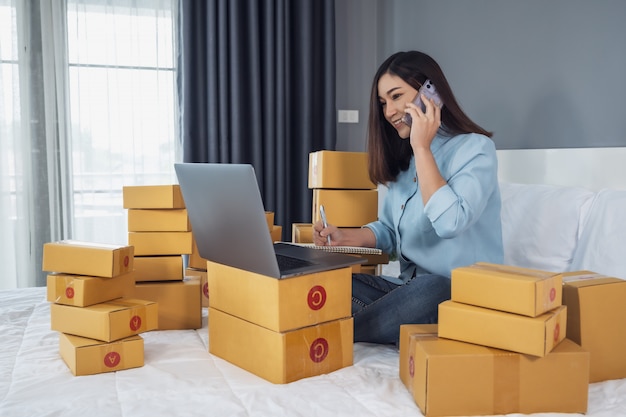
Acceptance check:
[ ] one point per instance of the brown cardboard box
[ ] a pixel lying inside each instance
(195, 260)
(159, 268)
(158, 220)
(531, 335)
(409, 333)
(160, 243)
(108, 321)
(530, 292)
(596, 319)
(281, 304)
(346, 208)
(276, 233)
(337, 169)
(281, 357)
(269, 217)
(179, 302)
(87, 356)
(82, 291)
(302, 233)
(152, 197)
(368, 269)
(87, 258)
(452, 378)
(204, 284)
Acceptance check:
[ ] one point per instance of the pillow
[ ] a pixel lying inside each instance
(602, 244)
(540, 224)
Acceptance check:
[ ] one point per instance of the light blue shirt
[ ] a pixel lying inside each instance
(460, 224)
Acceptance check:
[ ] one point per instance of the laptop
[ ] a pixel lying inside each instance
(228, 220)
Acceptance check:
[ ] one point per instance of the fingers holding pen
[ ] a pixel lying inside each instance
(321, 234)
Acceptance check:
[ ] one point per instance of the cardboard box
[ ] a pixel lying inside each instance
(596, 319)
(281, 304)
(158, 220)
(409, 334)
(531, 335)
(302, 232)
(108, 321)
(204, 284)
(281, 357)
(152, 197)
(195, 260)
(87, 356)
(180, 303)
(530, 292)
(276, 233)
(159, 268)
(368, 269)
(87, 258)
(343, 170)
(452, 378)
(269, 217)
(82, 291)
(160, 243)
(346, 208)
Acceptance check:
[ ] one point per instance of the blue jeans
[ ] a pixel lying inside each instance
(379, 307)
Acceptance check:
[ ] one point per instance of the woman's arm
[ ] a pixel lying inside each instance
(343, 237)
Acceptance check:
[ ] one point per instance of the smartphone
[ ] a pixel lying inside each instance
(429, 90)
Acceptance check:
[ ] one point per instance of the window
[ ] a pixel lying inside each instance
(122, 97)
(105, 91)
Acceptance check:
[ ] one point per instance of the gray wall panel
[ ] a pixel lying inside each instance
(539, 73)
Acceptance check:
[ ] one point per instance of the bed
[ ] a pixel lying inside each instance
(180, 377)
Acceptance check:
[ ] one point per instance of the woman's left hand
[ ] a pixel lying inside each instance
(424, 126)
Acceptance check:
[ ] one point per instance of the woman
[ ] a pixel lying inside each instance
(442, 207)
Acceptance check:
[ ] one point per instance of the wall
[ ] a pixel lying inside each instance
(357, 40)
(540, 74)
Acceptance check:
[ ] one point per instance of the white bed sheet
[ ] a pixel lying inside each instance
(181, 378)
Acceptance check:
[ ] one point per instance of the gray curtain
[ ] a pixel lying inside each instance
(257, 85)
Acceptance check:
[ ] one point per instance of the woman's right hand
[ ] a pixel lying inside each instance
(321, 233)
(350, 236)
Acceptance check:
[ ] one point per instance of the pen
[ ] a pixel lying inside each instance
(324, 221)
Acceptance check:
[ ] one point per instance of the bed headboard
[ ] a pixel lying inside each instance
(591, 168)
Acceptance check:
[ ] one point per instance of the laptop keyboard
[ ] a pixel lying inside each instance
(287, 262)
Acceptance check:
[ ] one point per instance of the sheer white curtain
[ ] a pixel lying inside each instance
(87, 106)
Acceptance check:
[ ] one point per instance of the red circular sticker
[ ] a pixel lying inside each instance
(557, 330)
(112, 359)
(317, 297)
(318, 350)
(126, 260)
(411, 366)
(552, 294)
(69, 292)
(205, 289)
(135, 323)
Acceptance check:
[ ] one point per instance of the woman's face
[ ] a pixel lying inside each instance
(393, 94)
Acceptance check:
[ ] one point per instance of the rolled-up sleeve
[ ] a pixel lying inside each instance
(471, 178)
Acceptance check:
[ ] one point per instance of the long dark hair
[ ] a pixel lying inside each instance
(388, 154)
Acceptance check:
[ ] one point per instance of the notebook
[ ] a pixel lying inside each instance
(228, 222)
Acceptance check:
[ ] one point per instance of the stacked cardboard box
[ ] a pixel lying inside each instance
(196, 267)
(159, 230)
(596, 320)
(505, 307)
(89, 286)
(281, 329)
(499, 347)
(340, 182)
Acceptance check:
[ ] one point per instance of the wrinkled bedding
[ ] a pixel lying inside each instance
(181, 378)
